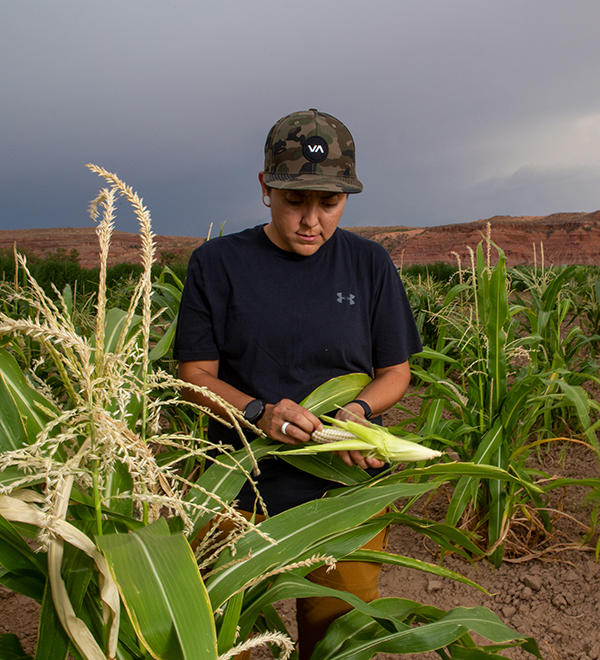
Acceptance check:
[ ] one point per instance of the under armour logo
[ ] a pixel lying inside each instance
(349, 298)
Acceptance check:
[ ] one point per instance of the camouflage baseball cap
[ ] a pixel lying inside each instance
(310, 150)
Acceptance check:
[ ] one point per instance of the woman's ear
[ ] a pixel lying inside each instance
(265, 189)
(266, 198)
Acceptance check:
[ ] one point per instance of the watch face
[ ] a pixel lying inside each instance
(254, 410)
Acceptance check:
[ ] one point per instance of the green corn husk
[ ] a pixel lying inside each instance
(373, 441)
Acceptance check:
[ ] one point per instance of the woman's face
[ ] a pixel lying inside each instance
(302, 220)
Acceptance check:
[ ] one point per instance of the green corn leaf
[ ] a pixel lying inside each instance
(53, 642)
(222, 479)
(400, 609)
(553, 290)
(35, 410)
(12, 427)
(454, 292)
(115, 329)
(11, 649)
(448, 537)
(466, 485)
(430, 354)
(335, 392)
(229, 626)
(356, 637)
(483, 286)
(336, 545)
(328, 466)
(434, 414)
(16, 555)
(67, 294)
(271, 621)
(578, 398)
(590, 482)
(161, 280)
(170, 299)
(443, 386)
(519, 403)
(11, 474)
(117, 484)
(23, 582)
(474, 470)
(342, 543)
(171, 613)
(416, 564)
(291, 529)
(164, 344)
(288, 585)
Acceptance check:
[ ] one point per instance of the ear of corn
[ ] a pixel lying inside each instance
(372, 440)
(330, 434)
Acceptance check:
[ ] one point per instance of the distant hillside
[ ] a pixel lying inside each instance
(565, 238)
(124, 248)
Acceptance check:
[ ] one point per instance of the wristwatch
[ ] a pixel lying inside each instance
(255, 410)
(365, 406)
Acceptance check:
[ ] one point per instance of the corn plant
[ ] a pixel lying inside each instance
(426, 297)
(92, 477)
(585, 298)
(547, 317)
(495, 407)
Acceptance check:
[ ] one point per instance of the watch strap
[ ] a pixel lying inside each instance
(365, 406)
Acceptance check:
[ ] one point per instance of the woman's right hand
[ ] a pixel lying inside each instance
(299, 422)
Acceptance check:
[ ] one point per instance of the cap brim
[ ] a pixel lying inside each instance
(317, 182)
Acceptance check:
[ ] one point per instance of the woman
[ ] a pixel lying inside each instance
(272, 312)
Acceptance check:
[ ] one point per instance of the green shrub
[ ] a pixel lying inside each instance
(439, 271)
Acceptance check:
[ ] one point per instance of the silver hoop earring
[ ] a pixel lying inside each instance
(267, 200)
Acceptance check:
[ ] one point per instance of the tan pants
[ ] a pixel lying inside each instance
(314, 615)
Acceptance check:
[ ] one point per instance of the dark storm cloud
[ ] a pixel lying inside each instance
(459, 110)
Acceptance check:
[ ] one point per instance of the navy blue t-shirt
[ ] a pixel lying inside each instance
(281, 324)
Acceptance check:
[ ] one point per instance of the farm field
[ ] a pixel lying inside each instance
(96, 441)
(555, 598)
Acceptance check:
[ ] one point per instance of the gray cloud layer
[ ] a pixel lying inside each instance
(460, 110)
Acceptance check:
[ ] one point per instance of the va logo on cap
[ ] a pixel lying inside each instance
(315, 149)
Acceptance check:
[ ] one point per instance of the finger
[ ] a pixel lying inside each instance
(375, 462)
(345, 456)
(299, 423)
(359, 459)
(303, 419)
(291, 434)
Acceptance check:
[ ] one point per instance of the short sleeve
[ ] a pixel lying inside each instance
(195, 335)
(394, 332)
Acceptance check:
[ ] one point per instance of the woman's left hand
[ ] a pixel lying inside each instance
(354, 412)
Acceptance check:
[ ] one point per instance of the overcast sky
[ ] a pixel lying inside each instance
(460, 109)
